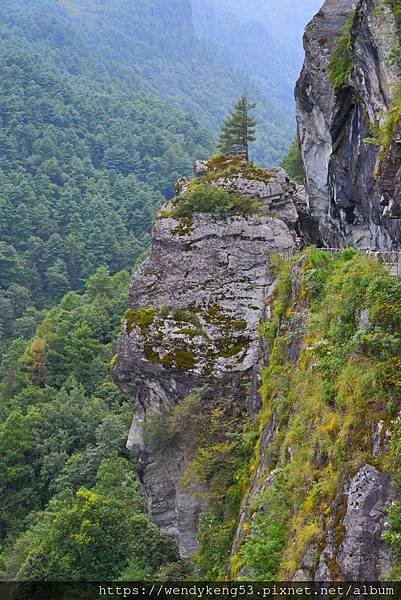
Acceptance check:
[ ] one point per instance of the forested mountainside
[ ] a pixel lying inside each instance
(67, 482)
(85, 162)
(91, 141)
(155, 49)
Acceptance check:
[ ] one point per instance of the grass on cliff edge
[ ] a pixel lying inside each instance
(347, 379)
(340, 66)
(205, 195)
(383, 135)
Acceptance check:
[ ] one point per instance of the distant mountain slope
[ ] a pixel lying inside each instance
(262, 38)
(84, 163)
(154, 44)
(103, 105)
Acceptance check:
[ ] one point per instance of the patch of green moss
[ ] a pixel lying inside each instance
(191, 332)
(141, 317)
(216, 315)
(224, 167)
(185, 227)
(181, 358)
(230, 346)
(251, 171)
(220, 165)
(186, 316)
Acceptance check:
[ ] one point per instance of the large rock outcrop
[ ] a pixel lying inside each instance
(196, 303)
(342, 183)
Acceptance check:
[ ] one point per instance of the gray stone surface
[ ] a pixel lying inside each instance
(355, 549)
(216, 270)
(315, 100)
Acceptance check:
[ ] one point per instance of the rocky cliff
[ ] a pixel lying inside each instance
(195, 306)
(224, 325)
(345, 95)
(226, 328)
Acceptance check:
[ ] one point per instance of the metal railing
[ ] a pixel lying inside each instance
(390, 259)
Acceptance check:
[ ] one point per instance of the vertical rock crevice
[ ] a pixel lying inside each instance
(335, 124)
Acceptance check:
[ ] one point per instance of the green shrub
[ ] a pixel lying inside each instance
(263, 548)
(162, 431)
(216, 538)
(204, 198)
(293, 164)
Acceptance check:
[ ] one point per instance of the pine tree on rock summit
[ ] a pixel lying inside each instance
(238, 131)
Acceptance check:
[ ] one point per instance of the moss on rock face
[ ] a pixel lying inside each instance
(164, 329)
(185, 227)
(141, 317)
(181, 358)
(216, 315)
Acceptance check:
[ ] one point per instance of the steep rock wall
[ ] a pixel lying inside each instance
(196, 303)
(342, 180)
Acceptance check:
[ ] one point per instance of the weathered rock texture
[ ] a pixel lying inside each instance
(342, 182)
(197, 300)
(390, 179)
(203, 287)
(362, 555)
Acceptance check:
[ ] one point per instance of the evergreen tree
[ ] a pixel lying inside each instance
(238, 131)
